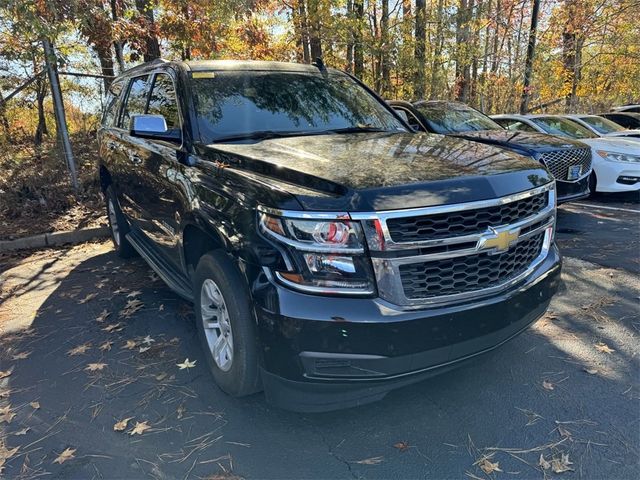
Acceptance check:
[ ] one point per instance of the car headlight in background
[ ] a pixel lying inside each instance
(619, 157)
(324, 255)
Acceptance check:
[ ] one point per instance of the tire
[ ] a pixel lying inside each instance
(225, 324)
(593, 182)
(118, 225)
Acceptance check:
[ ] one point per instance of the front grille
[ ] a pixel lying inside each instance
(465, 274)
(560, 161)
(464, 222)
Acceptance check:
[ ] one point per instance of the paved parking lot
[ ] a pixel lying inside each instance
(88, 341)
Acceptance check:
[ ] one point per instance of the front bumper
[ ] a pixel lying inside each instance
(616, 176)
(323, 353)
(570, 191)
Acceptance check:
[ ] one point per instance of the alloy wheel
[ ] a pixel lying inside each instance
(216, 323)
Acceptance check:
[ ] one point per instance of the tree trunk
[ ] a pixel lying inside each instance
(315, 42)
(528, 67)
(384, 49)
(152, 50)
(437, 52)
(350, 37)
(420, 52)
(304, 31)
(106, 63)
(463, 69)
(358, 56)
(117, 45)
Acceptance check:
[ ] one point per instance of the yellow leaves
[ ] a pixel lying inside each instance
(68, 454)
(186, 364)
(140, 428)
(94, 367)
(79, 350)
(487, 466)
(6, 415)
(604, 348)
(130, 345)
(121, 426)
(558, 464)
(6, 373)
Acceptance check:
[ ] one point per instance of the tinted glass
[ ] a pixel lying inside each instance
(629, 120)
(162, 101)
(136, 100)
(516, 125)
(563, 127)
(112, 103)
(454, 118)
(236, 103)
(601, 125)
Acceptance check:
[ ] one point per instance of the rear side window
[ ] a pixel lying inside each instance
(136, 101)
(111, 108)
(163, 101)
(516, 125)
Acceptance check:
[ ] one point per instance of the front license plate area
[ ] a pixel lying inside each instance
(574, 172)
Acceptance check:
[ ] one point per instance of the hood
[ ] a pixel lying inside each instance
(528, 142)
(615, 144)
(631, 135)
(382, 171)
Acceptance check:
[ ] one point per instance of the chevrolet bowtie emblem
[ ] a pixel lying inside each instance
(499, 240)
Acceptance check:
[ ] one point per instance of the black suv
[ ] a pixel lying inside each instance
(568, 160)
(332, 254)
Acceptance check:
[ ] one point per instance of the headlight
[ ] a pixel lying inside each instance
(618, 157)
(325, 255)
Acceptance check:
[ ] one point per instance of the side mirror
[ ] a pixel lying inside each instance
(153, 127)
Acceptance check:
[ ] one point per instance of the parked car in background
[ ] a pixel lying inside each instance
(627, 120)
(627, 108)
(603, 127)
(331, 253)
(569, 161)
(616, 160)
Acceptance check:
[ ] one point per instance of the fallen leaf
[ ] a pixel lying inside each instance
(560, 465)
(402, 446)
(131, 307)
(148, 340)
(5, 373)
(591, 371)
(547, 385)
(68, 454)
(106, 346)
(79, 350)
(488, 467)
(114, 327)
(88, 298)
(93, 367)
(544, 463)
(180, 411)
(130, 345)
(21, 355)
(35, 405)
(121, 426)
(161, 307)
(564, 433)
(604, 348)
(144, 349)
(103, 316)
(134, 294)
(22, 432)
(186, 364)
(370, 461)
(161, 376)
(140, 428)
(6, 415)
(5, 454)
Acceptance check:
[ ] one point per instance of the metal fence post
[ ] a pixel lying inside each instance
(58, 107)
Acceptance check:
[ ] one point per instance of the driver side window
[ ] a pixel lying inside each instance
(410, 119)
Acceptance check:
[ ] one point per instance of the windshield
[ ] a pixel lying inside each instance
(455, 118)
(563, 127)
(602, 125)
(233, 104)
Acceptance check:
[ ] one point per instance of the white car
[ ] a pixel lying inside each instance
(616, 160)
(603, 127)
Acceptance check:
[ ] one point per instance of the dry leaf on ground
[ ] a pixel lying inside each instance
(488, 467)
(148, 340)
(140, 428)
(106, 346)
(22, 432)
(186, 364)
(88, 298)
(130, 345)
(370, 461)
(131, 307)
(114, 327)
(35, 405)
(547, 385)
(135, 293)
(6, 415)
(591, 371)
(5, 373)
(402, 446)
(560, 465)
(94, 367)
(604, 348)
(103, 316)
(79, 350)
(64, 456)
(121, 425)
(5, 454)
(21, 356)
(144, 349)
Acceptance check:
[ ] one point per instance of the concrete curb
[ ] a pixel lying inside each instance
(54, 239)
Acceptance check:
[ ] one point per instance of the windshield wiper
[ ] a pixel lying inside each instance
(359, 129)
(262, 135)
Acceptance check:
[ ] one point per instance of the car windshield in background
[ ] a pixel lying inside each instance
(602, 125)
(445, 119)
(563, 127)
(239, 104)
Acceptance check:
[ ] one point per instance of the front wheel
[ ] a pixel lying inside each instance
(226, 325)
(118, 225)
(593, 182)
